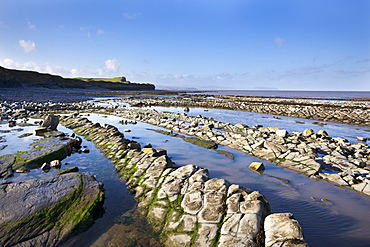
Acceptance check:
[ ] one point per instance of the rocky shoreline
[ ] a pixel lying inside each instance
(47, 211)
(184, 204)
(43, 151)
(242, 215)
(344, 111)
(308, 153)
(316, 155)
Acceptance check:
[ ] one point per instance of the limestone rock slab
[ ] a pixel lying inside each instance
(281, 228)
(43, 212)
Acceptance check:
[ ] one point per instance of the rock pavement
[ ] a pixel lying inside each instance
(183, 203)
(47, 150)
(345, 111)
(316, 155)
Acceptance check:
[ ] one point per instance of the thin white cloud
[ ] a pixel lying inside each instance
(131, 16)
(196, 78)
(220, 81)
(364, 70)
(31, 66)
(363, 61)
(8, 63)
(279, 42)
(31, 26)
(341, 61)
(61, 26)
(11, 64)
(112, 65)
(74, 72)
(111, 68)
(100, 32)
(87, 31)
(28, 46)
(352, 72)
(2, 25)
(306, 71)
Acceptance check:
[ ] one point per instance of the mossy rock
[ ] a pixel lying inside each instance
(201, 143)
(25, 135)
(226, 153)
(68, 170)
(41, 151)
(65, 205)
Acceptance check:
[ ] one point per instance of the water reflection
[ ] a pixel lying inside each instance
(343, 215)
(119, 200)
(16, 138)
(350, 132)
(340, 221)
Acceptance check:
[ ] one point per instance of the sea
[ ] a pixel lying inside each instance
(361, 95)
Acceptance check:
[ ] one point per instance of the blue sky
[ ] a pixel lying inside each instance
(230, 44)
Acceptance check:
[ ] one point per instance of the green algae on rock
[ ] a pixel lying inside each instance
(182, 203)
(68, 170)
(45, 150)
(197, 141)
(46, 212)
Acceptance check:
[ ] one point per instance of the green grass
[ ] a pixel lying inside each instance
(116, 79)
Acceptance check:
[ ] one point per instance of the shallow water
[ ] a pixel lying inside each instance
(294, 94)
(342, 221)
(334, 129)
(119, 199)
(350, 132)
(10, 140)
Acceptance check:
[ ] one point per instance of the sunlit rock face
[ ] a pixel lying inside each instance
(182, 203)
(45, 212)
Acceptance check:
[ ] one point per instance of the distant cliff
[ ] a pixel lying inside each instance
(10, 78)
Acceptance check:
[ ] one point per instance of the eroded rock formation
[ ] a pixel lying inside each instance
(316, 155)
(183, 203)
(46, 212)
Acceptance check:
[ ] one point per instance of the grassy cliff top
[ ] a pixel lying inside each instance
(10, 78)
(115, 79)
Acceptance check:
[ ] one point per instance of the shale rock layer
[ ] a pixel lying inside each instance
(354, 112)
(316, 155)
(45, 212)
(183, 203)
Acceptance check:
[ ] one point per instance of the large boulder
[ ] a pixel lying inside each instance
(46, 212)
(281, 229)
(51, 122)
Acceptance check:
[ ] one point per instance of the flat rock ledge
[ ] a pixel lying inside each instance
(315, 155)
(184, 204)
(46, 212)
(45, 150)
(345, 111)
